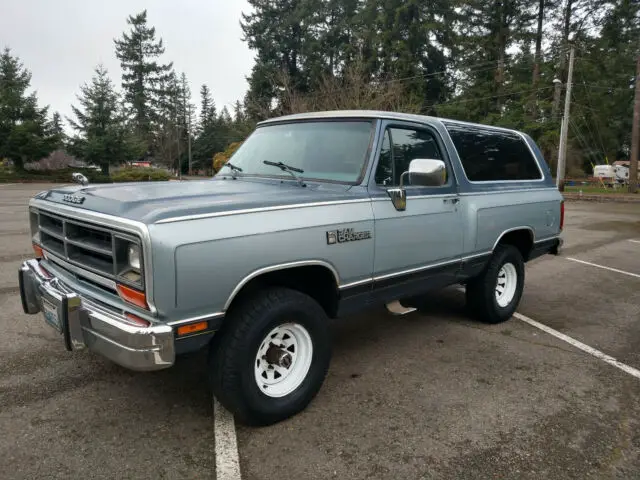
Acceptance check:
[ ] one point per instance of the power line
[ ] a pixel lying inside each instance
(591, 133)
(604, 152)
(581, 140)
(578, 133)
(588, 86)
(474, 99)
(584, 107)
(588, 59)
(321, 95)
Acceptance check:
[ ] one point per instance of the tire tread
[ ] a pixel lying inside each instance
(225, 375)
(480, 291)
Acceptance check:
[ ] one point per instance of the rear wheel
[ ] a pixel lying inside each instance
(272, 356)
(494, 295)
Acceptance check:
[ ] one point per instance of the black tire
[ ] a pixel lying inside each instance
(233, 354)
(481, 290)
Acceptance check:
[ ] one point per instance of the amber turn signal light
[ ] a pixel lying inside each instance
(37, 249)
(133, 296)
(137, 321)
(192, 328)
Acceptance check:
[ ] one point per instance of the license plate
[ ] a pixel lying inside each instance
(51, 315)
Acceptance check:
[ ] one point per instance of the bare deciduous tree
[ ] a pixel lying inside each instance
(350, 91)
(55, 160)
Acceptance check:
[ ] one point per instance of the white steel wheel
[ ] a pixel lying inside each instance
(283, 360)
(506, 284)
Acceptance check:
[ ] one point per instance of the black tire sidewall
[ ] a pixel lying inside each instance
(506, 254)
(293, 307)
(481, 295)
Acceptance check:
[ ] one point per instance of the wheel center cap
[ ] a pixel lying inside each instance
(278, 356)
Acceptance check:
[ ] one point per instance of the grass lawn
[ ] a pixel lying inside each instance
(590, 190)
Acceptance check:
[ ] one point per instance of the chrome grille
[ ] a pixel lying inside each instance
(96, 249)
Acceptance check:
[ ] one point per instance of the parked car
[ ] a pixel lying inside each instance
(315, 216)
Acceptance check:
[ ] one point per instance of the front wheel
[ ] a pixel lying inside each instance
(494, 295)
(272, 356)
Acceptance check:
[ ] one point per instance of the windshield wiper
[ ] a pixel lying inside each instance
(233, 168)
(287, 168)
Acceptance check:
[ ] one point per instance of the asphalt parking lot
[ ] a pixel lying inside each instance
(429, 395)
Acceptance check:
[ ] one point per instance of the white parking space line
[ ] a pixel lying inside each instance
(585, 348)
(603, 267)
(634, 241)
(226, 444)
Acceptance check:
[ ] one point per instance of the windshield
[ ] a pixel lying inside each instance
(329, 151)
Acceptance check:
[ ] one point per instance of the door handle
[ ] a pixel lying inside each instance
(451, 200)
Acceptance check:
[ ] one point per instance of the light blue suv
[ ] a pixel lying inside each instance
(316, 215)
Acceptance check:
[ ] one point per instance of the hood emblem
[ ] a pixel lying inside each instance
(75, 199)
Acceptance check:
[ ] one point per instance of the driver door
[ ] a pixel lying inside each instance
(418, 248)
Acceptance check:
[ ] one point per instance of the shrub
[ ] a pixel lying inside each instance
(220, 158)
(62, 175)
(140, 175)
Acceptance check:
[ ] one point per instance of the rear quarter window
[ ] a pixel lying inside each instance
(489, 155)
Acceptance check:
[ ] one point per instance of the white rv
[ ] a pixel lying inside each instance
(612, 173)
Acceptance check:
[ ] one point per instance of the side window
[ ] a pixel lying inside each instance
(399, 147)
(493, 155)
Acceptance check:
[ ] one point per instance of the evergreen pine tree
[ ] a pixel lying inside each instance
(101, 137)
(207, 108)
(225, 116)
(25, 133)
(143, 76)
(57, 130)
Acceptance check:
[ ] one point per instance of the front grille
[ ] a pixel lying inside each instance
(94, 248)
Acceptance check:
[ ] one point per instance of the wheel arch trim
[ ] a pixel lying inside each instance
(515, 229)
(278, 267)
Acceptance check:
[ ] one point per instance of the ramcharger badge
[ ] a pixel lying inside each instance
(346, 235)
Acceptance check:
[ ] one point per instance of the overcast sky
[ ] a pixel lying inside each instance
(61, 42)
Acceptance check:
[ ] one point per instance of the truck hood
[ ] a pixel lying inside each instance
(155, 201)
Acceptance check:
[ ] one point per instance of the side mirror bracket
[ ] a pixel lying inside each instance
(398, 198)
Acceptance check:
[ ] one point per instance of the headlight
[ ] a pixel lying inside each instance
(133, 253)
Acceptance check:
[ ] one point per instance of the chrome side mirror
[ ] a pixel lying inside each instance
(427, 173)
(422, 172)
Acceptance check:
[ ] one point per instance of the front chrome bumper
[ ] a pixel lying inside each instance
(83, 323)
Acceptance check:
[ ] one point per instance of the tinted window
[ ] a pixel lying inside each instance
(399, 147)
(493, 155)
(324, 150)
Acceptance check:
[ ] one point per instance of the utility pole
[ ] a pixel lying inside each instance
(562, 151)
(178, 144)
(635, 134)
(566, 33)
(189, 135)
